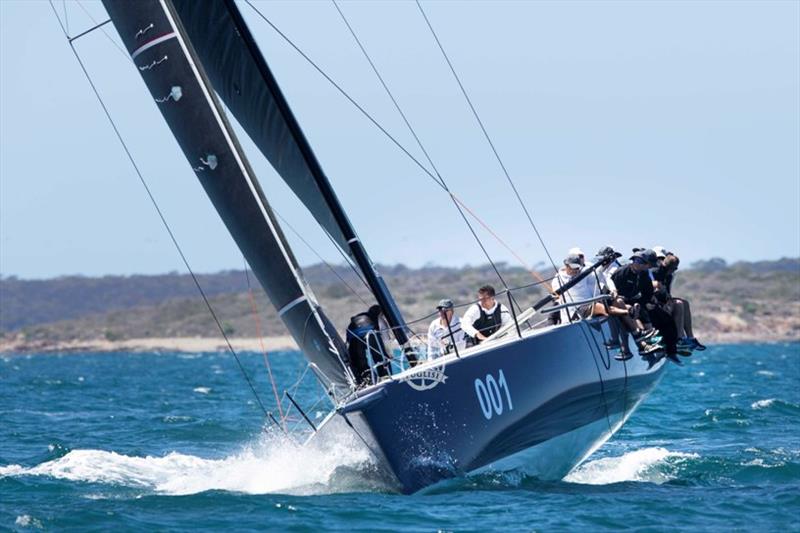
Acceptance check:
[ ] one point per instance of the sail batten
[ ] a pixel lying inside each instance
(181, 90)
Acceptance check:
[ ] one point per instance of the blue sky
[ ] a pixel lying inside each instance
(648, 123)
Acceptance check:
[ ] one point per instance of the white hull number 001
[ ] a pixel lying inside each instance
(488, 392)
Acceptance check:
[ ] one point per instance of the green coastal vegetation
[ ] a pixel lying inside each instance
(739, 302)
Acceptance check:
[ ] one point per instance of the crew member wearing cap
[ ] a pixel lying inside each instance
(585, 289)
(483, 319)
(634, 286)
(605, 272)
(617, 310)
(445, 331)
(577, 251)
(678, 308)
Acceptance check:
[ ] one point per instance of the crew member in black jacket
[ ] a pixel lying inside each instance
(363, 338)
(634, 285)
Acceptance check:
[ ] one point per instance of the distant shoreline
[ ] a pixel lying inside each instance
(268, 344)
(155, 344)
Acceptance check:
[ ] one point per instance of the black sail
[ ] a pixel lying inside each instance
(244, 81)
(252, 95)
(165, 57)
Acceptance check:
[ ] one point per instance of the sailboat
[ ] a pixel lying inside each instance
(537, 398)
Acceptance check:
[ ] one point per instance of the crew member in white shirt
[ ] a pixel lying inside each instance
(445, 331)
(484, 318)
(577, 251)
(585, 289)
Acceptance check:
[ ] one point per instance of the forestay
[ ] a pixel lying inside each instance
(165, 57)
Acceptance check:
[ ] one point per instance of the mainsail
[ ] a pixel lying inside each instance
(244, 81)
(165, 57)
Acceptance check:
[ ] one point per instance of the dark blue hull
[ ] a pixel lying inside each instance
(545, 401)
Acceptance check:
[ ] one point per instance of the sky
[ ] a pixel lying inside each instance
(621, 123)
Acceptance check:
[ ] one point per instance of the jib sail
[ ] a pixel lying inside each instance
(244, 81)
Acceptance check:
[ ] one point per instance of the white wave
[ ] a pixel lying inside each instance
(762, 404)
(26, 520)
(269, 465)
(639, 465)
(202, 390)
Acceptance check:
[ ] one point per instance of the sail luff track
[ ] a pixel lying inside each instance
(165, 58)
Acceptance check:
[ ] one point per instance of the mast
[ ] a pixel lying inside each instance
(244, 81)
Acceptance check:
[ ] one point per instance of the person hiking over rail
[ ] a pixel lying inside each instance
(484, 318)
(678, 308)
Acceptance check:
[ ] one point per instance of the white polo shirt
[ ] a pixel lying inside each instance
(439, 336)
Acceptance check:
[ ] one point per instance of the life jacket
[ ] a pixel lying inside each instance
(486, 323)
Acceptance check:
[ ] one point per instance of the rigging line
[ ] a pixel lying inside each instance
(346, 95)
(66, 17)
(419, 142)
(166, 225)
(58, 18)
(261, 338)
(116, 45)
(330, 267)
(90, 30)
(388, 92)
(347, 259)
(486, 134)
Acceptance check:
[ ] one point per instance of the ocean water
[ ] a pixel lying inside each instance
(177, 442)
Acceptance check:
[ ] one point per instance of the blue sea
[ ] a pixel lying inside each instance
(163, 441)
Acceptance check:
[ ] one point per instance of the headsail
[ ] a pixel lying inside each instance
(157, 42)
(244, 81)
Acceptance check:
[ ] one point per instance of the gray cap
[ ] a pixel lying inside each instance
(573, 261)
(446, 303)
(648, 256)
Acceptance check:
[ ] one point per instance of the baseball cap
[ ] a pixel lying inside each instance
(646, 255)
(660, 251)
(605, 251)
(573, 261)
(445, 303)
(575, 251)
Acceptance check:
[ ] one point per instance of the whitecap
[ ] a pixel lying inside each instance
(27, 520)
(762, 404)
(638, 465)
(765, 373)
(202, 390)
(272, 464)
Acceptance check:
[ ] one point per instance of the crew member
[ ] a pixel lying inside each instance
(635, 288)
(445, 333)
(585, 289)
(363, 341)
(485, 317)
(679, 308)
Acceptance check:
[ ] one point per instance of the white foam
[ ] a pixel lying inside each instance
(639, 465)
(202, 390)
(762, 404)
(271, 464)
(26, 520)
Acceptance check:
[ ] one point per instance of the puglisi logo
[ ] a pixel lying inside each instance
(426, 378)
